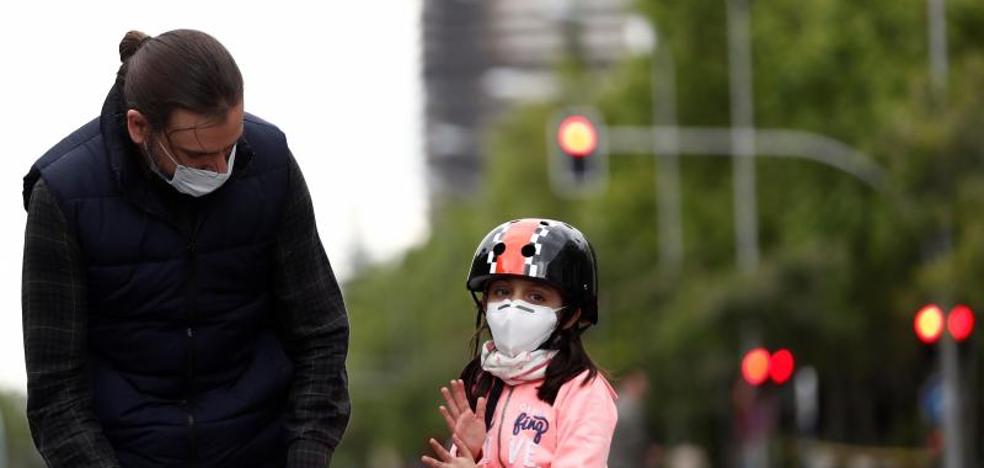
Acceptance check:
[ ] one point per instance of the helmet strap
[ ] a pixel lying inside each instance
(478, 322)
(474, 296)
(478, 309)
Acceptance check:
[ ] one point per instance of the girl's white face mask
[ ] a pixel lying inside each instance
(195, 182)
(518, 326)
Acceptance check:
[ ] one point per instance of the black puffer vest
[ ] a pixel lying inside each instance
(186, 369)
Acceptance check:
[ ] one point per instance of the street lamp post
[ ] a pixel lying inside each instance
(643, 37)
(668, 162)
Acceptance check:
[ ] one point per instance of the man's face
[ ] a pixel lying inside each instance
(197, 141)
(190, 139)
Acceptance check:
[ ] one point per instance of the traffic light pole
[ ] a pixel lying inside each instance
(743, 136)
(954, 452)
(742, 141)
(769, 142)
(938, 63)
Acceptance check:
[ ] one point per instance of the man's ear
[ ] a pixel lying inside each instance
(137, 126)
(573, 320)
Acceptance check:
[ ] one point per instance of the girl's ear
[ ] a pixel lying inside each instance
(573, 320)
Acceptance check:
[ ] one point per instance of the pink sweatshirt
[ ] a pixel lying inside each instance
(576, 432)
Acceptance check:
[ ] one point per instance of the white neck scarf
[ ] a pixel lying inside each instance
(527, 366)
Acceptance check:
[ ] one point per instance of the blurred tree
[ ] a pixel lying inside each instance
(20, 448)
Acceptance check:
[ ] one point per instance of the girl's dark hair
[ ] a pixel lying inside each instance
(569, 362)
(180, 69)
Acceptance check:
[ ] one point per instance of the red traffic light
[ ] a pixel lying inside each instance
(755, 366)
(578, 157)
(960, 322)
(577, 136)
(929, 324)
(781, 366)
(758, 365)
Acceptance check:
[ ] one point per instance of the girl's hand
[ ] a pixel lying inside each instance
(446, 460)
(461, 421)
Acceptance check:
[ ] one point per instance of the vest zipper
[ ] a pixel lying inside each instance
(502, 421)
(191, 294)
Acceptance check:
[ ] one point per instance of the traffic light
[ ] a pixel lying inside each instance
(930, 323)
(781, 366)
(960, 323)
(579, 157)
(758, 365)
(755, 367)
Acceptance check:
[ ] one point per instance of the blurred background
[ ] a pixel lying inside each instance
(774, 191)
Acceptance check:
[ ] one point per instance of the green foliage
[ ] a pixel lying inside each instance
(844, 266)
(20, 448)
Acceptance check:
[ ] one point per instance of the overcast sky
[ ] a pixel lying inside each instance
(340, 78)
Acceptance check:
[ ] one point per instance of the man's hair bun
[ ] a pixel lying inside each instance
(131, 43)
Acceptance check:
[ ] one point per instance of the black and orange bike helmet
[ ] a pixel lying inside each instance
(541, 249)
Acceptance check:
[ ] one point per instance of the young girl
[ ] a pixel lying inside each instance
(549, 405)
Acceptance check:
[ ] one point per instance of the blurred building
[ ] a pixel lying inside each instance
(481, 56)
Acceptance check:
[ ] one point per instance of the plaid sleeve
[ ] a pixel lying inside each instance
(59, 401)
(315, 328)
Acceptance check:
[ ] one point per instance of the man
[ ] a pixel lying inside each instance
(179, 309)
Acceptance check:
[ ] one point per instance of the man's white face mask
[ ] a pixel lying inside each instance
(518, 326)
(195, 182)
